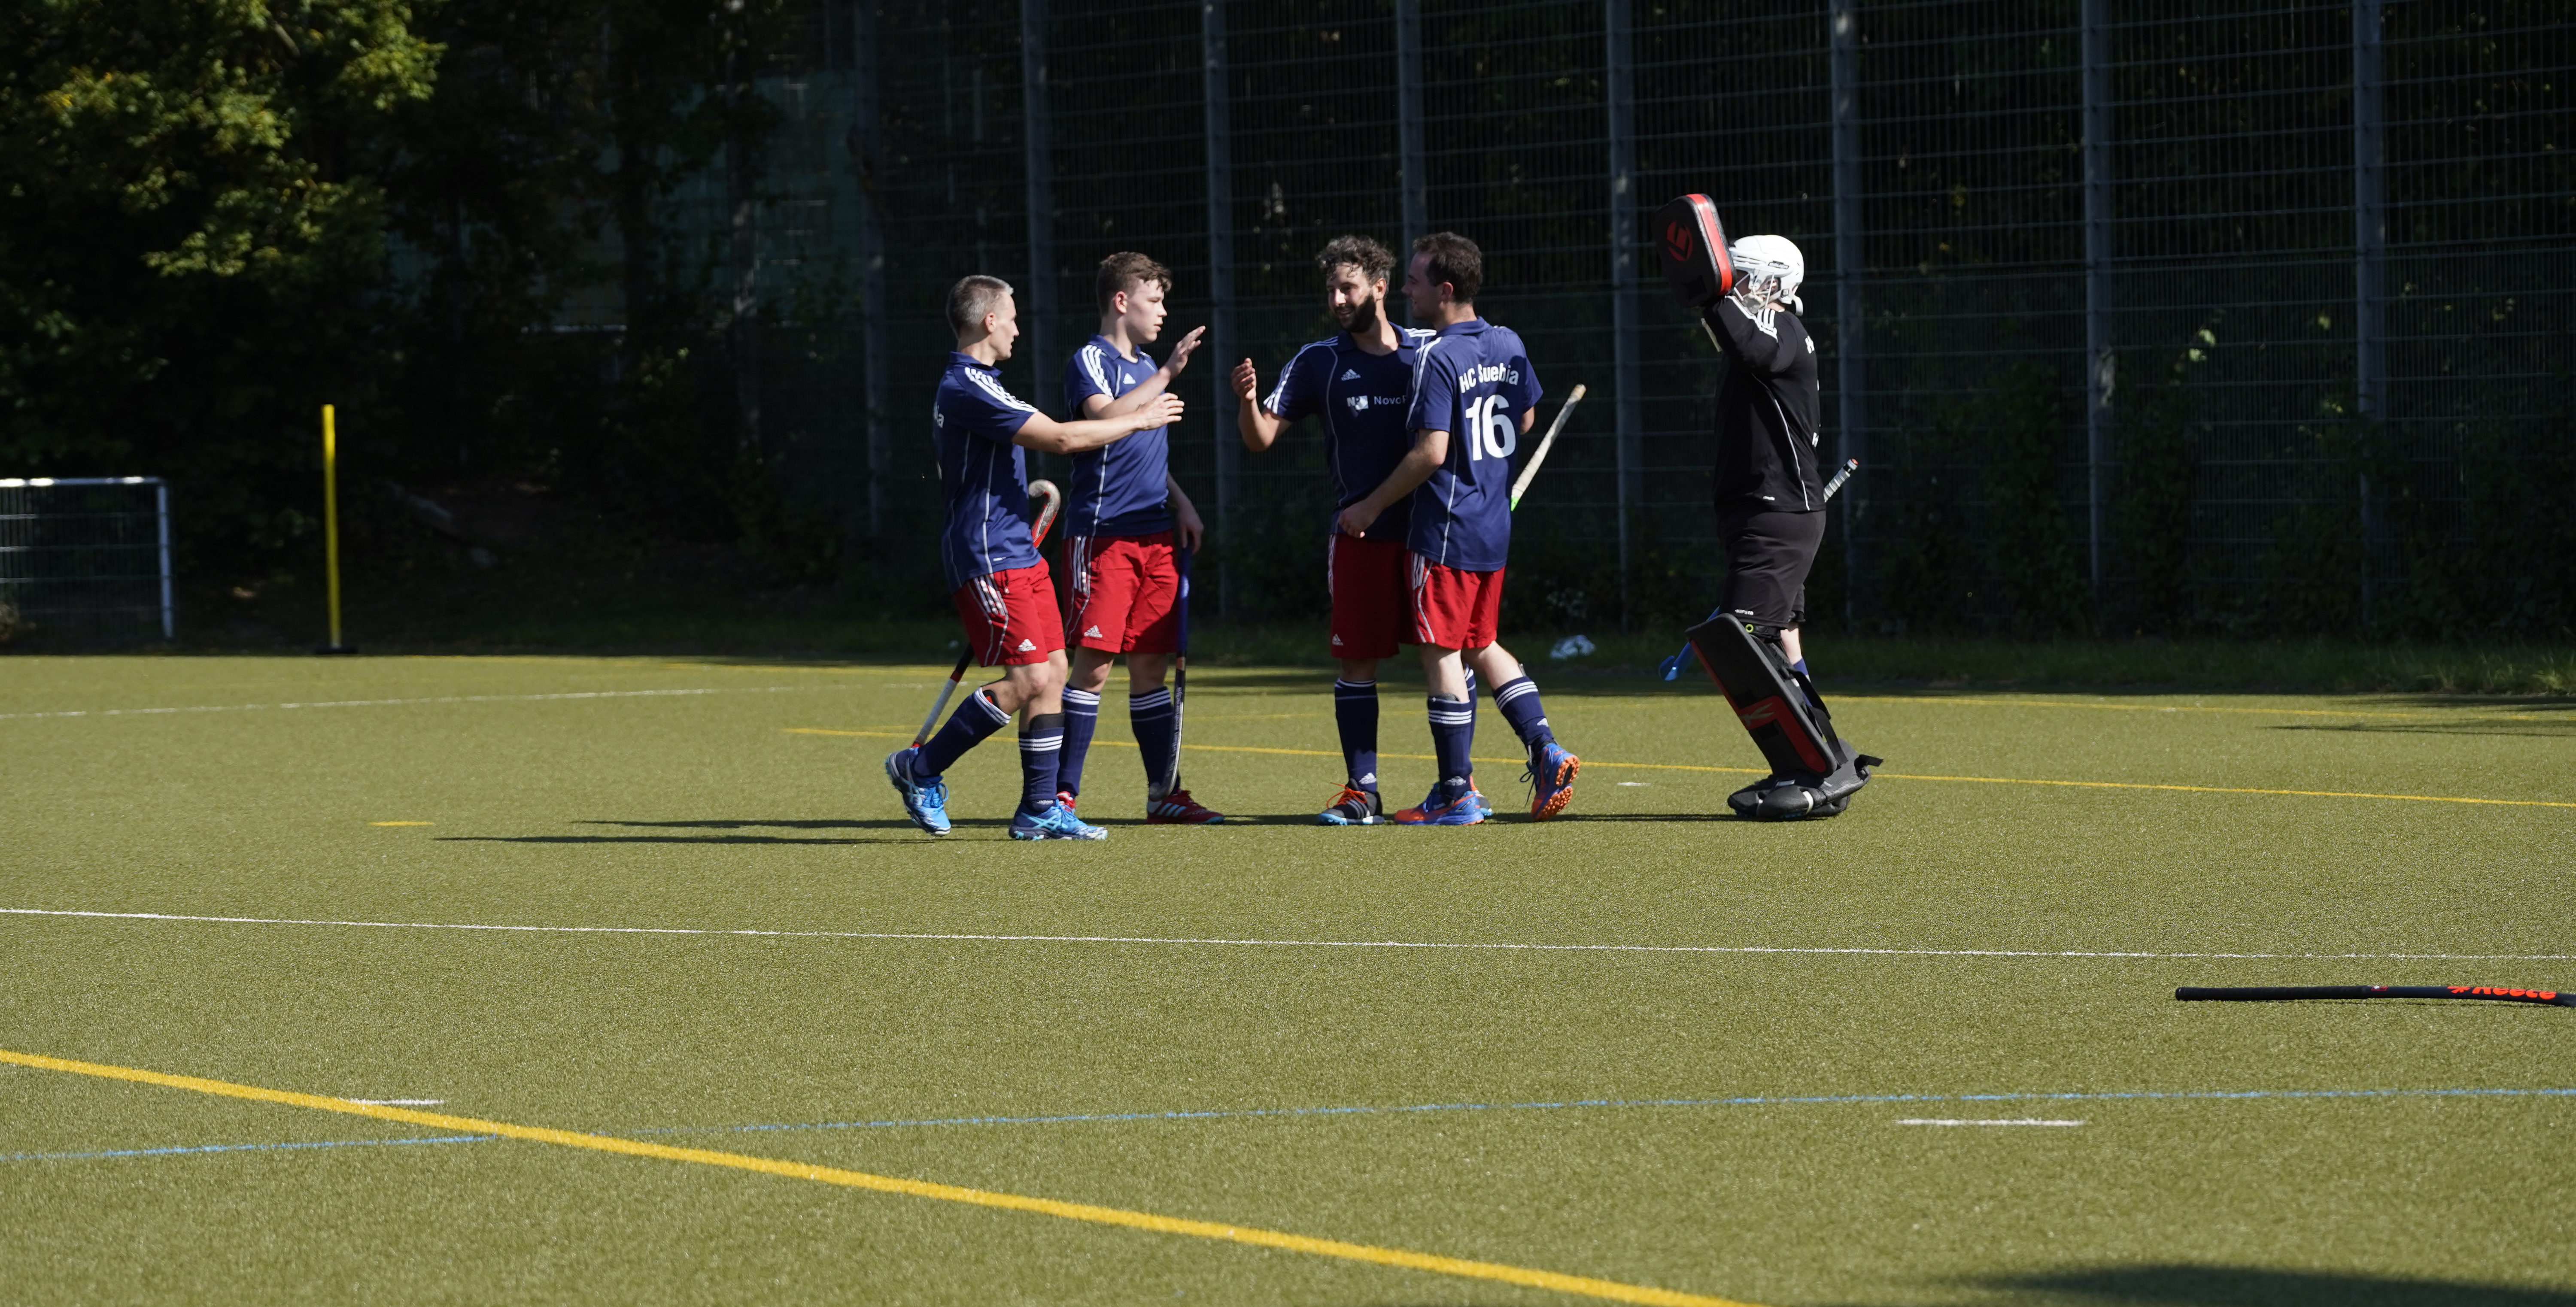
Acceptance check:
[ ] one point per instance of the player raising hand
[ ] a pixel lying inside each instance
(1356, 382)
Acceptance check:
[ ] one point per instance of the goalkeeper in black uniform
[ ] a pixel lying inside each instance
(1769, 490)
(1770, 495)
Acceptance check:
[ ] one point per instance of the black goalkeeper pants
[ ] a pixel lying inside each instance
(1768, 554)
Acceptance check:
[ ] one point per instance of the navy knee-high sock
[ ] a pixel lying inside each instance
(1453, 736)
(1157, 736)
(1081, 718)
(974, 719)
(1518, 699)
(1355, 714)
(1041, 747)
(1471, 712)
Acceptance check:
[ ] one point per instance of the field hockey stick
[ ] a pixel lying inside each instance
(1539, 455)
(2493, 993)
(1053, 500)
(1672, 667)
(1180, 673)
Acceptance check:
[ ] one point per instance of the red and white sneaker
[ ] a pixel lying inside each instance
(1179, 809)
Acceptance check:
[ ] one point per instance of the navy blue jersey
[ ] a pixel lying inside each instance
(983, 475)
(1473, 380)
(1121, 488)
(1363, 398)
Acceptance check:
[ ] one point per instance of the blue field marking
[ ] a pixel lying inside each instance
(1218, 1114)
(1810, 1100)
(241, 1148)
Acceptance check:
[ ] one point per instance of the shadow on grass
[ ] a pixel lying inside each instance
(676, 839)
(888, 823)
(2236, 1286)
(2536, 730)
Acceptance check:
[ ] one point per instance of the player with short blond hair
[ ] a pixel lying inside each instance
(1004, 597)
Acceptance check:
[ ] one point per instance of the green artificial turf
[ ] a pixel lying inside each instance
(1576, 1101)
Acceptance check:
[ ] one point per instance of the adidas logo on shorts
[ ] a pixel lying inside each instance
(1337, 640)
(1028, 646)
(1093, 634)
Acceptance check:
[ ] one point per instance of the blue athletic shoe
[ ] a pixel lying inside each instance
(1551, 778)
(925, 801)
(1056, 823)
(1440, 810)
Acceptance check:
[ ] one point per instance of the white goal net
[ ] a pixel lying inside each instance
(86, 557)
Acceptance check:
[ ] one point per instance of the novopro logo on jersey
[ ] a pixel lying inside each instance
(1363, 403)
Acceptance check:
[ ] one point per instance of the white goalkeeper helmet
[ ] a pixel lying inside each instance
(1768, 268)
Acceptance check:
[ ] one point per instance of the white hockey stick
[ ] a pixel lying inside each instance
(1539, 455)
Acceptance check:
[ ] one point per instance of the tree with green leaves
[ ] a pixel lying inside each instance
(192, 235)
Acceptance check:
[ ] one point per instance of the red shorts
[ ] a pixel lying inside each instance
(1455, 609)
(1126, 593)
(1010, 617)
(1370, 580)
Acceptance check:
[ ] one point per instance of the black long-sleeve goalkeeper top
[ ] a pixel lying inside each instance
(1766, 411)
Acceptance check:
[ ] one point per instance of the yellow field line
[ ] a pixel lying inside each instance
(1891, 775)
(1527, 1277)
(2154, 707)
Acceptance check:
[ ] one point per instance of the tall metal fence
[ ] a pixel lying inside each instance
(2142, 314)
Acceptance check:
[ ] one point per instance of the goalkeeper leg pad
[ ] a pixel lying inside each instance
(1813, 773)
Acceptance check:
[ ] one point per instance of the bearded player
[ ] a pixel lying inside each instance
(1358, 383)
(1472, 398)
(1124, 522)
(999, 583)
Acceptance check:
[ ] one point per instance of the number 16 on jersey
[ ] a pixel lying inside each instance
(1492, 430)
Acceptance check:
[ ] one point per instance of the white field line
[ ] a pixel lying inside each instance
(382, 703)
(961, 937)
(2024, 1121)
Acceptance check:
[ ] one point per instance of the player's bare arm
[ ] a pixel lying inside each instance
(1048, 436)
(1430, 450)
(1187, 525)
(1151, 388)
(1259, 426)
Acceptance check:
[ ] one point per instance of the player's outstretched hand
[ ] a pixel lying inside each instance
(1181, 352)
(1187, 526)
(1165, 410)
(1247, 382)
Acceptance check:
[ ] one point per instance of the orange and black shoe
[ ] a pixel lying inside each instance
(1179, 809)
(1353, 807)
(1551, 777)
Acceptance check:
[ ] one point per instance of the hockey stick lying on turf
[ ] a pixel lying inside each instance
(1672, 667)
(1053, 500)
(1539, 455)
(2497, 993)
(1180, 672)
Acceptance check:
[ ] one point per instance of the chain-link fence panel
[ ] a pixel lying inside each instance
(2143, 315)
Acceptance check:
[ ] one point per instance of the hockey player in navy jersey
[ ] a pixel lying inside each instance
(1000, 585)
(1358, 381)
(1473, 396)
(1124, 519)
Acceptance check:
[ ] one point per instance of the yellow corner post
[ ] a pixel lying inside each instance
(331, 524)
